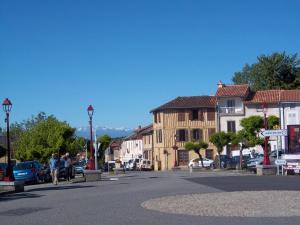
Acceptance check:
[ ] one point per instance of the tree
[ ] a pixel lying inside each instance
(196, 147)
(275, 71)
(104, 141)
(43, 137)
(220, 140)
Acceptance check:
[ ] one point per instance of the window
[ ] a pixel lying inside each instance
(211, 131)
(195, 115)
(211, 114)
(159, 136)
(157, 117)
(231, 126)
(181, 116)
(182, 135)
(230, 103)
(197, 134)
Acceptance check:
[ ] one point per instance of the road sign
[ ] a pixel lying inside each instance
(280, 162)
(269, 133)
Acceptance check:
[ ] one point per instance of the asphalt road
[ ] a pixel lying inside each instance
(119, 202)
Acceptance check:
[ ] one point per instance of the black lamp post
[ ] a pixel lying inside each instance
(91, 164)
(9, 172)
(175, 148)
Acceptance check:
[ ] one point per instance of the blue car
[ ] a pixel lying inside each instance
(28, 172)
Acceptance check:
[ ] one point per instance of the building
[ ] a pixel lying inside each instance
(179, 121)
(132, 146)
(147, 137)
(235, 102)
(112, 153)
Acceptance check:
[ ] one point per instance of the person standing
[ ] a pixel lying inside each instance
(68, 166)
(54, 168)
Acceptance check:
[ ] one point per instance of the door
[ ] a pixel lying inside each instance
(183, 157)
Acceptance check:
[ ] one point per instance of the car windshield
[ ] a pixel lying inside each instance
(80, 163)
(24, 166)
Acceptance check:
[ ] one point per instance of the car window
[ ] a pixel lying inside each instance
(24, 166)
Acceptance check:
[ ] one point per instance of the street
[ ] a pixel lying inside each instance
(142, 198)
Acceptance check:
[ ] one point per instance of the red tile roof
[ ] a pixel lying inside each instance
(290, 95)
(273, 96)
(240, 90)
(189, 102)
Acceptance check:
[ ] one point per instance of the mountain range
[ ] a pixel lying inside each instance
(113, 132)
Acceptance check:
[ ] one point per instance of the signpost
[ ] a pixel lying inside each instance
(280, 162)
(274, 133)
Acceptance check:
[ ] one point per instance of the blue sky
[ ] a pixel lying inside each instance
(127, 57)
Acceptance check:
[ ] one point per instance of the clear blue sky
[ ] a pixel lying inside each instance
(127, 57)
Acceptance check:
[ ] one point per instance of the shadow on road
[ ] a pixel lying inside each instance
(250, 183)
(17, 196)
(58, 187)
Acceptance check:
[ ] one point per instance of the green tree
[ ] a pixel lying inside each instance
(275, 71)
(104, 141)
(45, 136)
(220, 140)
(273, 121)
(196, 147)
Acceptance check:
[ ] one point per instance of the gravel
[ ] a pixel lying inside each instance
(230, 204)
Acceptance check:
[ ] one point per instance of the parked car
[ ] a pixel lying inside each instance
(207, 163)
(110, 168)
(80, 166)
(29, 172)
(253, 163)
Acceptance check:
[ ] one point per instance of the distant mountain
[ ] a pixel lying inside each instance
(113, 132)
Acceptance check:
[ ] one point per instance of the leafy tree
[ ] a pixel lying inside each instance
(45, 136)
(104, 141)
(275, 71)
(196, 147)
(273, 121)
(220, 140)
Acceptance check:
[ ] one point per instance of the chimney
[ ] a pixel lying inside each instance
(220, 84)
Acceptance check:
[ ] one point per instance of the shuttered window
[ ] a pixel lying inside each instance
(181, 116)
(197, 135)
(182, 135)
(211, 114)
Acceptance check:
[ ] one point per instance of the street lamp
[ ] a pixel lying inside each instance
(175, 148)
(91, 163)
(6, 108)
(266, 153)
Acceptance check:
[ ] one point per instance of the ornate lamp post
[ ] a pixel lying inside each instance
(91, 163)
(175, 148)
(266, 152)
(9, 172)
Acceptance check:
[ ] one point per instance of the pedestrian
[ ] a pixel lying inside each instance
(54, 168)
(68, 166)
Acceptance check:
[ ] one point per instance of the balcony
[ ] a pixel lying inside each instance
(231, 110)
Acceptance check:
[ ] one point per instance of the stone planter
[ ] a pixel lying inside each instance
(262, 170)
(92, 175)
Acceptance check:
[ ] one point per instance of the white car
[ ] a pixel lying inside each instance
(208, 163)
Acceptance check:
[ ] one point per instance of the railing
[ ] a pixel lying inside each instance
(231, 110)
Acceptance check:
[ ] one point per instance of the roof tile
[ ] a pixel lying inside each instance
(189, 102)
(240, 90)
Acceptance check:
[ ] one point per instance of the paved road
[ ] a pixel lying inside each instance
(119, 202)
